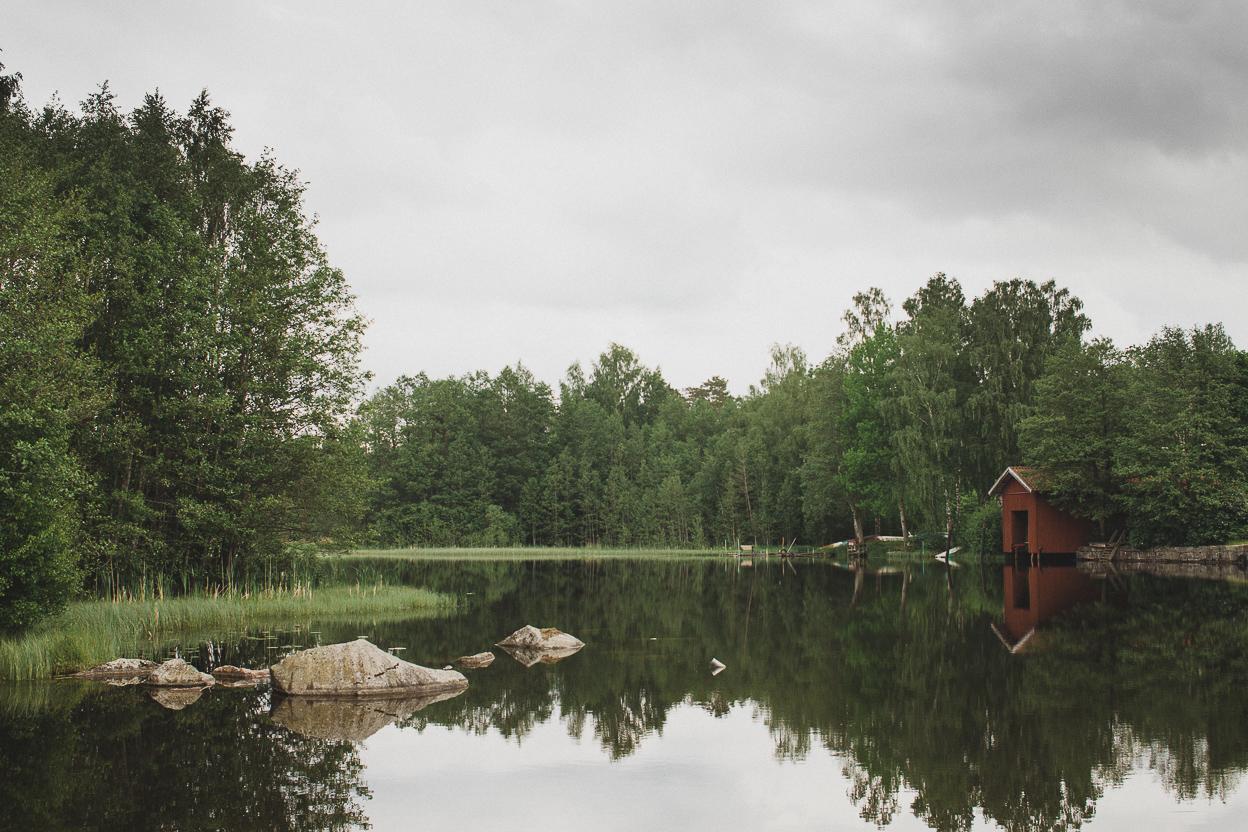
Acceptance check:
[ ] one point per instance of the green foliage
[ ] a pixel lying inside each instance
(1012, 331)
(893, 432)
(176, 355)
(45, 392)
(981, 525)
(1077, 422)
(1154, 439)
(1183, 455)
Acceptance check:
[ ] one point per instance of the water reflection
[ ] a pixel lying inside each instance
(348, 718)
(1036, 592)
(893, 677)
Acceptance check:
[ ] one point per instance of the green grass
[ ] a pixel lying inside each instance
(528, 553)
(90, 632)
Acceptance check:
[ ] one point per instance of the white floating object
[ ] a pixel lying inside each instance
(717, 667)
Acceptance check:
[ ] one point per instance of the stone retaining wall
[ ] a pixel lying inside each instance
(1206, 571)
(1212, 555)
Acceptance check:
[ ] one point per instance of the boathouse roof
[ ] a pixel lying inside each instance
(1032, 479)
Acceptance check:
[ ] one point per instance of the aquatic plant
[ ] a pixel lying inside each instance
(90, 632)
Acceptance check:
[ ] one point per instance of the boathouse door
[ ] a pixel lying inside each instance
(1018, 536)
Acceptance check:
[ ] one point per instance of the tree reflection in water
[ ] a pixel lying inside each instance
(79, 756)
(902, 678)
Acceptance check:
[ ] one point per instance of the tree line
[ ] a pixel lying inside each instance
(180, 398)
(902, 429)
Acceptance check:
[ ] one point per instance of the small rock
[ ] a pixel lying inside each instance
(119, 669)
(176, 673)
(476, 660)
(548, 638)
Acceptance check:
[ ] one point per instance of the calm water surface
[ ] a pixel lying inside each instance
(906, 697)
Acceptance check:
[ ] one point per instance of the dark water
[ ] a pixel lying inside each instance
(911, 698)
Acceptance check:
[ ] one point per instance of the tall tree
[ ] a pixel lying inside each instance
(932, 384)
(1081, 405)
(1012, 330)
(46, 391)
(1183, 455)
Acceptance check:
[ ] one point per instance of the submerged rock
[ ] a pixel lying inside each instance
(348, 718)
(119, 669)
(476, 660)
(176, 673)
(175, 699)
(358, 668)
(548, 638)
(236, 677)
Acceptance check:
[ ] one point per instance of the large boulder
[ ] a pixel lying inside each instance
(476, 660)
(176, 673)
(358, 668)
(548, 638)
(350, 718)
(119, 670)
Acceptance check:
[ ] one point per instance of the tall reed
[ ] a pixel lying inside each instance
(90, 632)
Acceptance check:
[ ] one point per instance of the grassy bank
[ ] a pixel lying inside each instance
(529, 553)
(90, 632)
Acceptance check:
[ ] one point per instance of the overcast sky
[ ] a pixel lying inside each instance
(530, 181)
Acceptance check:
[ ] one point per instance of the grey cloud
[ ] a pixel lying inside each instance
(555, 175)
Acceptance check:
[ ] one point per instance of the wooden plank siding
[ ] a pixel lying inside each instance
(1049, 530)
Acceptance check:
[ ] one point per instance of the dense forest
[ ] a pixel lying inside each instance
(902, 429)
(177, 357)
(180, 398)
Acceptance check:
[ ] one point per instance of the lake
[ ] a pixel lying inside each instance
(905, 696)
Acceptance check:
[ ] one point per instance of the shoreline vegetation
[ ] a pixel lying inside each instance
(88, 633)
(526, 553)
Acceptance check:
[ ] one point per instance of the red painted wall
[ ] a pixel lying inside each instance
(1049, 530)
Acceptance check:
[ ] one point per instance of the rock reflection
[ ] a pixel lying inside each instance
(351, 719)
(175, 699)
(529, 656)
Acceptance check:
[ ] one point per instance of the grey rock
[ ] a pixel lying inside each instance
(123, 669)
(476, 660)
(358, 668)
(548, 638)
(176, 673)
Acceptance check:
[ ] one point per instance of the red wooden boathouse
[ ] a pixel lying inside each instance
(1029, 523)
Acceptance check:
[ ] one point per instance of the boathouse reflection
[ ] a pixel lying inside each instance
(1034, 593)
